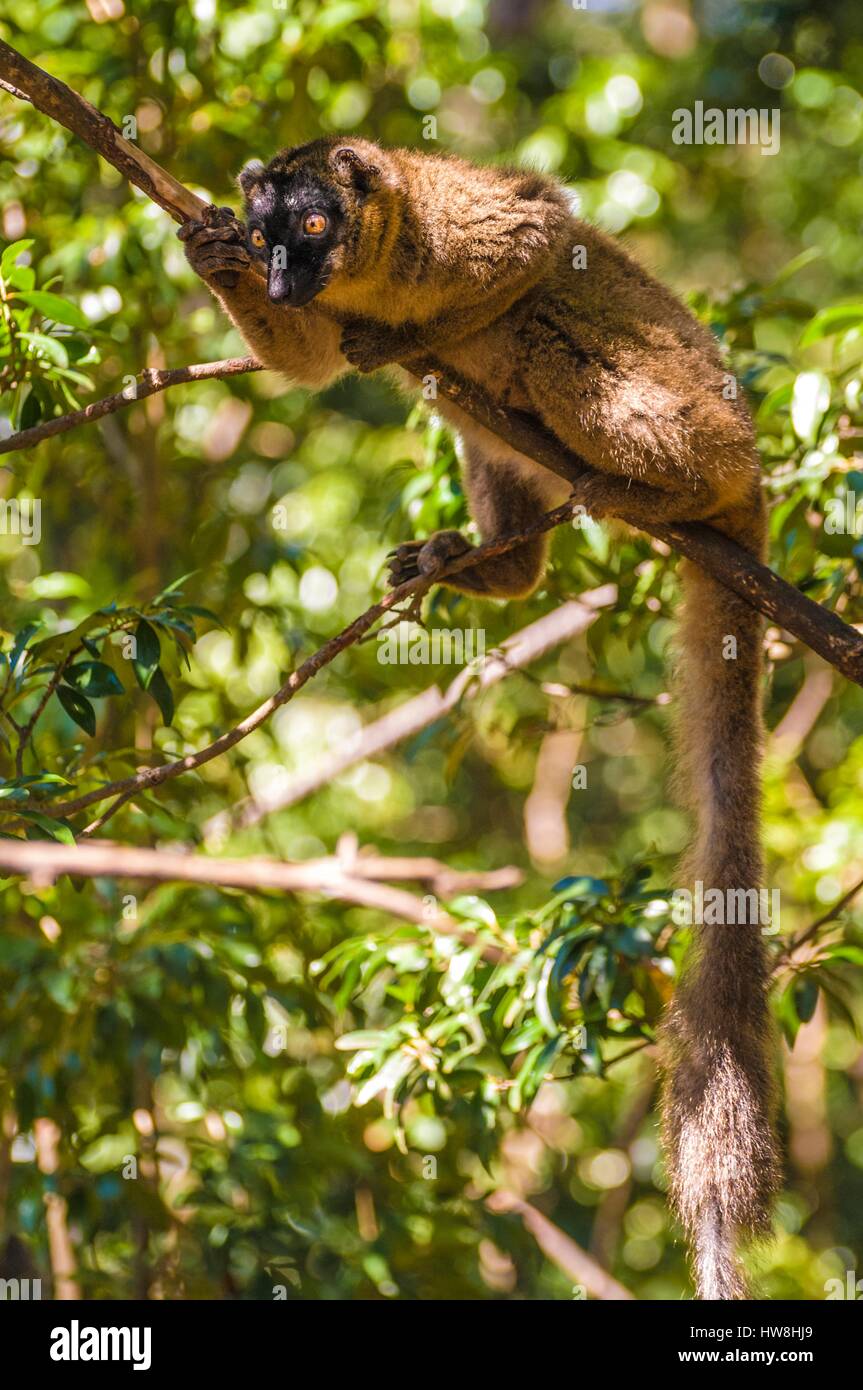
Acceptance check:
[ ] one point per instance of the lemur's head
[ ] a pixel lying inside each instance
(305, 211)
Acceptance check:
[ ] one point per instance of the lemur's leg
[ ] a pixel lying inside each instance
(301, 343)
(507, 493)
(604, 494)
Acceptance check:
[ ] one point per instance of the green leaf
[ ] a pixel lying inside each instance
(473, 909)
(832, 986)
(93, 678)
(809, 402)
(54, 829)
(832, 320)
(548, 999)
(80, 351)
(364, 1037)
(531, 1033)
(161, 693)
(78, 708)
(11, 254)
(854, 954)
(59, 584)
(172, 588)
(812, 253)
(147, 653)
(31, 412)
(21, 277)
(775, 400)
(200, 612)
(21, 642)
(805, 998)
(52, 348)
(60, 986)
(54, 306)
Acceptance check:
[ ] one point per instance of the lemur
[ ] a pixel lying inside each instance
(374, 257)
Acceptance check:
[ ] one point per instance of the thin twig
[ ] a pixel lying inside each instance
(408, 718)
(152, 380)
(814, 927)
(147, 778)
(27, 729)
(560, 1248)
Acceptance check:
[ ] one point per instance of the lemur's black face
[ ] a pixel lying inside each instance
(295, 223)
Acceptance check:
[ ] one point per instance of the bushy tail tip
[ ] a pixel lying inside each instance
(717, 1273)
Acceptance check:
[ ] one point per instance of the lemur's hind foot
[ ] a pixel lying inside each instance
(415, 558)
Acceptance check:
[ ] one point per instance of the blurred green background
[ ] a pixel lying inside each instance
(194, 1030)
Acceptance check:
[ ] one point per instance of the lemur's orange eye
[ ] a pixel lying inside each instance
(258, 238)
(314, 223)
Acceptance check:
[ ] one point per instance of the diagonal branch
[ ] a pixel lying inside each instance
(153, 379)
(25, 80)
(821, 629)
(561, 1249)
(149, 777)
(408, 718)
(789, 951)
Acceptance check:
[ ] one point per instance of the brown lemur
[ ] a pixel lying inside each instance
(375, 256)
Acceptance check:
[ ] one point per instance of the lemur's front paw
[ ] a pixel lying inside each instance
(368, 345)
(415, 558)
(216, 247)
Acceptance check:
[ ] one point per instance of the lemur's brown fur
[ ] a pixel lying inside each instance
(477, 266)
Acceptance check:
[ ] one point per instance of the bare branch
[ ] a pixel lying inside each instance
(417, 713)
(152, 380)
(28, 82)
(560, 1248)
(44, 860)
(145, 779)
(352, 878)
(61, 1251)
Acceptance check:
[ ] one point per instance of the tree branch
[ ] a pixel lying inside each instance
(790, 951)
(818, 627)
(152, 380)
(145, 779)
(25, 80)
(348, 877)
(45, 860)
(560, 1248)
(835, 641)
(408, 718)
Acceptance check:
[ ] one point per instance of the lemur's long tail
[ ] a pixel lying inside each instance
(718, 1101)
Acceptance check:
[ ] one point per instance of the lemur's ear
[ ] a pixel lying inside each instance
(354, 170)
(249, 175)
